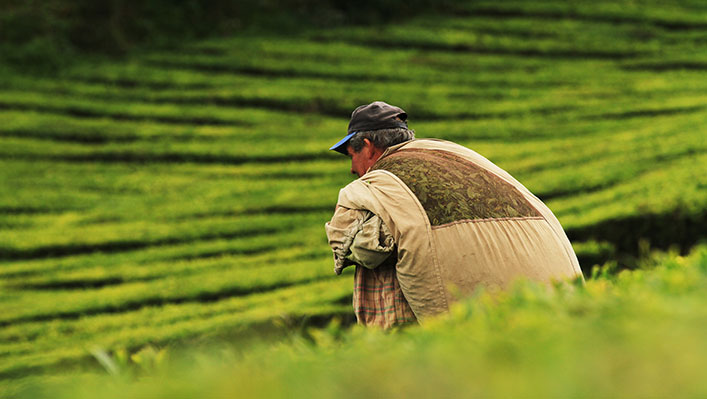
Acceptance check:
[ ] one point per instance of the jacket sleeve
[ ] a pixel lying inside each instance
(358, 237)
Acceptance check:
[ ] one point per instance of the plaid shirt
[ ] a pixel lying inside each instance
(378, 299)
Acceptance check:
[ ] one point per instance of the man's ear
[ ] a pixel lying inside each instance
(368, 146)
(373, 152)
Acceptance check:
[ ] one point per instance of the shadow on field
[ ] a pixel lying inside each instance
(173, 157)
(646, 113)
(280, 73)
(489, 50)
(31, 210)
(58, 250)
(666, 66)
(68, 136)
(83, 112)
(675, 230)
(157, 300)
(554, 15)
(131, 83)
(49, 251)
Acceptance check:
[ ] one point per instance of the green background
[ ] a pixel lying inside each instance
(176, 194)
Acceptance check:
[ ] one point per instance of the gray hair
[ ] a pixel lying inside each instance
(381, 138)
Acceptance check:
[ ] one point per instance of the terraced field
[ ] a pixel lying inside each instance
(181, 194)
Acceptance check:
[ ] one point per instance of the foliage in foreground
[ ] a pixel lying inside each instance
(639, 333)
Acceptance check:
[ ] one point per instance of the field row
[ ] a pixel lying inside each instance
(35, 346)
(540, 164)
(238, 107)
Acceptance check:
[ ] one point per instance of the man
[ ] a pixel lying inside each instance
(429, 220)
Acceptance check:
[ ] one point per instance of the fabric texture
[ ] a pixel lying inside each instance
(378, 299)
(452, 189)
(359, 237)
(495, 231)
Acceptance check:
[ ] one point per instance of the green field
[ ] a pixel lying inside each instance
(640, 334)
(179, 195)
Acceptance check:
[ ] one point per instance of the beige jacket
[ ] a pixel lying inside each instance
(459, 222)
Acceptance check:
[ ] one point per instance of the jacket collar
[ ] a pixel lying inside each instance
(391, 150)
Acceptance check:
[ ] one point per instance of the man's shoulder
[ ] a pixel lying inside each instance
(375, 177)
(421, 143)
(376, 186)
(433, 144)
(437, 144)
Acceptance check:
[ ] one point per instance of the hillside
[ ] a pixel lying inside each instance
(179, 195)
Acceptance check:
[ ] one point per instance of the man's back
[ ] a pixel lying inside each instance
(458, 221)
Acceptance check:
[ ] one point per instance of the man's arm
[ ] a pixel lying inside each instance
(358, 236)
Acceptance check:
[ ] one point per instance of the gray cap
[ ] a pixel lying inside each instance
(374, 116)
(377, 115)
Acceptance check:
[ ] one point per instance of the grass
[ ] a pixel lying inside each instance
(636, 334)
(182, 193)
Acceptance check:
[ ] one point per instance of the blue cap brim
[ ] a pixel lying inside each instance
(341, 145)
